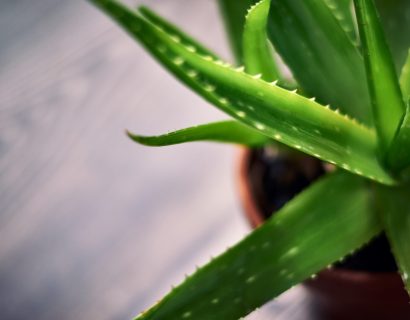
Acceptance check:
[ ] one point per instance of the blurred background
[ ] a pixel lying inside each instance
(91, 224)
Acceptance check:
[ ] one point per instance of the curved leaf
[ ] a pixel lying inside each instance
(324, 61)
(387, 101)
(308, 234)
(278, 113)
(257, 52)
(224, 131)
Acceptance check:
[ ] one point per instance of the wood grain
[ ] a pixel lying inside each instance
(92, 225)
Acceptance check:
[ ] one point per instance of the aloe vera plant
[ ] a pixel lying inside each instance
(346, 105)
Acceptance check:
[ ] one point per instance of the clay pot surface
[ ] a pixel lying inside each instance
(337, 293)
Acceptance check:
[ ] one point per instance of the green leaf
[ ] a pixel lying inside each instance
(394, 207)
(405, 79)
(234, 12)
(319, 226)
(324, 61)
(257, 52)
(342, 10)
(224, 131)
(395, 16)
(387, 102)
(276, 112)
(398, 156)
(174, 31)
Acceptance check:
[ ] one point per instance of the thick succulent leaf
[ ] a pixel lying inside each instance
(405, 79)
(394, 207)
(322, 57)
(342, 10)
(224, 131)
(387, 101)
(173, 30)
(257, 51)
(308, 234)
(284, 116)
(234, 12)
(395, 16)
(398, 156)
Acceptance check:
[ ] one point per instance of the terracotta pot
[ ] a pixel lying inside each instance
(338, 293)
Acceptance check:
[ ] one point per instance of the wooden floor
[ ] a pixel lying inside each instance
(93, 226)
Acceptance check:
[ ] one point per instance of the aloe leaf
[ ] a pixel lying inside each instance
(387, 102)
(405, 79)
(342, 10)
(308, 234)
(398, 156)
(395, 16)
(234, 12)
(280, 114)
(257, 52)
(224, 131)
(324, 61)
(394, 208)
(173, 30)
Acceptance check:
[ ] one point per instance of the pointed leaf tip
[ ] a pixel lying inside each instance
(257, 52)
(224, 131)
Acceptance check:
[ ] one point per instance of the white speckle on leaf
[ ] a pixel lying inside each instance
(186, 314)
(241, 114)
(260, 126)
(192, 73)
(223, 101)
(178, 61)
(293, 251)
(209, 88)
(175, 39)
(191, 48)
